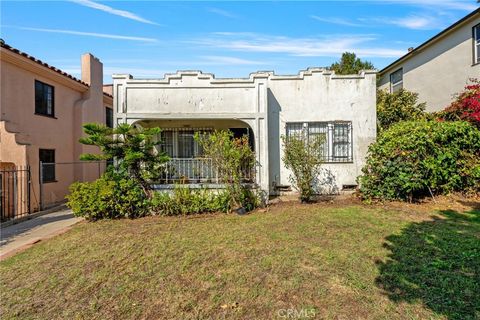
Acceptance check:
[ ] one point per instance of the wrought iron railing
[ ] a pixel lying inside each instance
(197, 170)
(14, 192)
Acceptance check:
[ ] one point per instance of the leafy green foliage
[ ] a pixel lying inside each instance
(232, 158)
(303, 157)
(350, 64)
(398, 106)
(190, 201)
(111, 196)
(413, 159)
(185, 200)
(132, 147)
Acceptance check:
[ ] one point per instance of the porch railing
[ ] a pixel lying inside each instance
(196, 170)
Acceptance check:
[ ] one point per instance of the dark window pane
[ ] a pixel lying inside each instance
(109, 117)
(396, 77)
(186, 144)
(47, 157)
(477, 32)
(44, 99)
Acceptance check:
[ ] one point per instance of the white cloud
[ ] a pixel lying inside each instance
(222, 12)
(339, 21)
(327, 46)
(90, 34)
(117, 12)
(414, 22)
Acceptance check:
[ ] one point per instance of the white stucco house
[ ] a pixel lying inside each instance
(440, 67)
(264, 106)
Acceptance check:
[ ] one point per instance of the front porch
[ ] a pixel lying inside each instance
(188, 164)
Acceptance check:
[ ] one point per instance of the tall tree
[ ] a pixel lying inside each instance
(350, 64)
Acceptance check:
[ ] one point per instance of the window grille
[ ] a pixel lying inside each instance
(336, 137)
(341, 141)
(180, 142)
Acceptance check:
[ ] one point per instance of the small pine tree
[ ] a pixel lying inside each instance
(132, 147)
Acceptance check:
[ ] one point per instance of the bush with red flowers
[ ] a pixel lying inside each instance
(466, 105)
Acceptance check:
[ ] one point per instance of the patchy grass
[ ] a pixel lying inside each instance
(319, 261)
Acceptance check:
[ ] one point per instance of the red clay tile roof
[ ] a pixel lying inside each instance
(40, 62)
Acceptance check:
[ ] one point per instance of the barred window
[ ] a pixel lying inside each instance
(186, 144)
(319, 131)
(166, 142)
(337, 137)
(341, 141)
(180, 142)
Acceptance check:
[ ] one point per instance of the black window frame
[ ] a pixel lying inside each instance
(394, 86)
(48, 173)
(41, 103)
(476, 44)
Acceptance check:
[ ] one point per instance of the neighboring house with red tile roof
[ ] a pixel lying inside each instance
(42, 110)
(441, 66)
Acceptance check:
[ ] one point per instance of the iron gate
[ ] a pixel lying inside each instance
(14, 193)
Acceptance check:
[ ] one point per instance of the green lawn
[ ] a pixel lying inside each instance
(320, 261)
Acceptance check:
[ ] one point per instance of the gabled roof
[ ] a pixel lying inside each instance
(44, 64)
(431, 40)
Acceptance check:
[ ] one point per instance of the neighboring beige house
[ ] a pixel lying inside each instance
(42, 110)
(440, 67)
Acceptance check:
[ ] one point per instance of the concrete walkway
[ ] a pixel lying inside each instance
(20, 236)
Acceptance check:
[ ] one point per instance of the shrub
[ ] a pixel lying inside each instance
(466, 105)
(417, 158)
(398, 106)
(111, 196)
(184, 200)
(304, 158)
(232, 158)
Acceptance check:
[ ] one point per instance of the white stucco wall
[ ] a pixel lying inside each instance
(322, 97)
(441, 69)
(265, 102)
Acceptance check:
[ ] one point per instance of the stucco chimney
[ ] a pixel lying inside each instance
(92, 71)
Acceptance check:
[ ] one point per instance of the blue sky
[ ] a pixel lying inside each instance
(230, 39)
